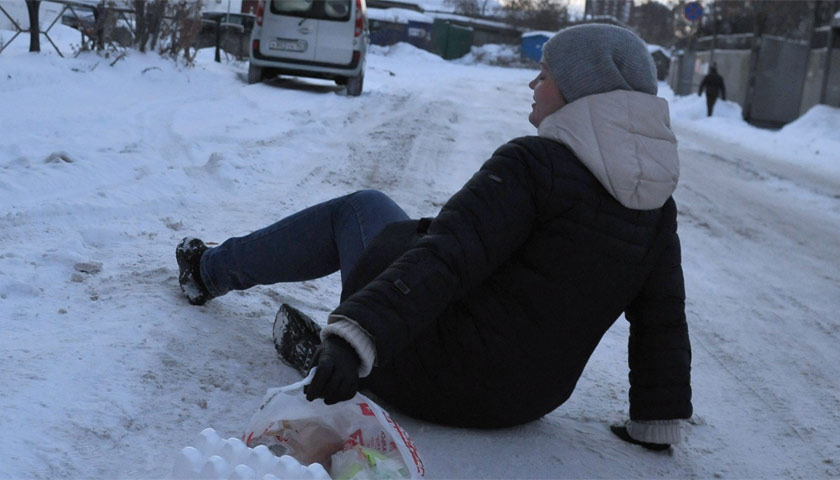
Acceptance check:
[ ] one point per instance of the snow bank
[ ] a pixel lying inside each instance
(497, 55)
(405, 51)
(819, 129)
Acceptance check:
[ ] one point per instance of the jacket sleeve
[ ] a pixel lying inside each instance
(475, 232)
(659, 348)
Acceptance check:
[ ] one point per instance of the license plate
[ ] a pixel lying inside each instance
(287, 45)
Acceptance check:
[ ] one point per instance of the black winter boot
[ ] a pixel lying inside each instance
(188, 253)
(296, 338)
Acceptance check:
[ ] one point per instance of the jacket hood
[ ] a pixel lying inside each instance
(624, 138)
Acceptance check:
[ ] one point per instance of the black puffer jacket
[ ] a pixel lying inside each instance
(489, 317)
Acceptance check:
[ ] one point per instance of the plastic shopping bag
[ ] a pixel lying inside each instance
(354, 439)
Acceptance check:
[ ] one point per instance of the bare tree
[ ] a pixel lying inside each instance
(171, 28)
(463, 7)
(148, 15)
(470, 8)
(182, 29)
(33, 6)
(547, 15)
(654, 22)
(793, 19)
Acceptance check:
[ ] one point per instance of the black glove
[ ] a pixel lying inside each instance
(337, 377)
(621, 432)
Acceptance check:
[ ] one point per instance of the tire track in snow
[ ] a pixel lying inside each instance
(767, 250)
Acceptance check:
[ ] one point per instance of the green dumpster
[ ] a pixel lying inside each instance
(451, 41)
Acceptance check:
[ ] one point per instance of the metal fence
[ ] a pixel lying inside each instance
(79, 15)
(113, 26)
(775, 80)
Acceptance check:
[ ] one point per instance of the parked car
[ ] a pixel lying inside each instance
(310, 38)
(241, 22)
(234, 32)
(80, 18)
(110, 30)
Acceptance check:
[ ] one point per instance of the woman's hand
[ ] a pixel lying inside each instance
(337, 377)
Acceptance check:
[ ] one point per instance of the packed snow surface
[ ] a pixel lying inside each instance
(108, 372)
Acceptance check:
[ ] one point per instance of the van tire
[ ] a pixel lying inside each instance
(255, 74)
(354, 85)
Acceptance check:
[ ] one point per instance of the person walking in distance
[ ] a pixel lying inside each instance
(714, 86)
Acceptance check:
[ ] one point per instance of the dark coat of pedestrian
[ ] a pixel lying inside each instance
(513, 285)
(714, 86)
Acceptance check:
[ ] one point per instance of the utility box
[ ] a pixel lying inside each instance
(780, 73)
(419, 34)
(532, 43)
(451, 41)
(681, 72)
(662, 61)
(386, 33)
(392, 25)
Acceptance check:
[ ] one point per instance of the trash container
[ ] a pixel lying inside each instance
(450, 40)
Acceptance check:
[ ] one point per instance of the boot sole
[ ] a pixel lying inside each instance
(188, 285)
(296, 338)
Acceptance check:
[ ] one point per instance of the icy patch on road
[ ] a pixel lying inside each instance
(215, 458)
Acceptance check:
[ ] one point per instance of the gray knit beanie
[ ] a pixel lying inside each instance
(599, 58)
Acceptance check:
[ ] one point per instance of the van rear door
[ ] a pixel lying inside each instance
(335, 32)
(288, 32)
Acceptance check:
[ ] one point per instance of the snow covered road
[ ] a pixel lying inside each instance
(760, 254)
(107, 372)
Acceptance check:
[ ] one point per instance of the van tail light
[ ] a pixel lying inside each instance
(360, 19)
(260, 12)
(255, 47)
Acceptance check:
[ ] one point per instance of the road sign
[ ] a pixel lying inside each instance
(693, 11)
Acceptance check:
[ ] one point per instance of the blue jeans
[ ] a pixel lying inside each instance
(312, 243)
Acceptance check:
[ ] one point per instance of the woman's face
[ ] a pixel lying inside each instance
(547, 98)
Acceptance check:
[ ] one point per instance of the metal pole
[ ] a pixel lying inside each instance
(714, 32)
(33, 7)
(758, 31)
(809, 40)
(827, 62)
(218, 38)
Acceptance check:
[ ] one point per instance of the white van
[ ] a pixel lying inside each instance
(310, 38)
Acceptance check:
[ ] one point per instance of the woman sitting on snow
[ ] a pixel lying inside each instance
(485, 315)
